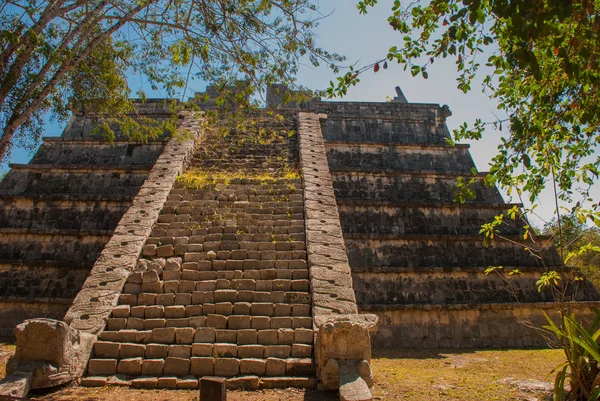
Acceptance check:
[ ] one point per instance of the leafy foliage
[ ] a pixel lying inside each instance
(537, 59)
(581, 245)
(582, 353)
(62, 55)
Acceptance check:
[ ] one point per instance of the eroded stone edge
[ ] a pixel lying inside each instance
(333, 299)
(100, 291)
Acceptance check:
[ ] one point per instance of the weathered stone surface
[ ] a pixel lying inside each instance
(213, 388)
(17, 384)
(343, 353)
(60, 352)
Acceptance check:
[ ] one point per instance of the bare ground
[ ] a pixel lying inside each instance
(410, 375)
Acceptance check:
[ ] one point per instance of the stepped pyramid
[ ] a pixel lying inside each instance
(263, 251)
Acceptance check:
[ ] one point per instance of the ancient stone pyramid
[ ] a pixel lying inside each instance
(249, 251)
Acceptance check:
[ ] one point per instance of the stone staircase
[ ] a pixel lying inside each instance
(222, 287)
(58, 212)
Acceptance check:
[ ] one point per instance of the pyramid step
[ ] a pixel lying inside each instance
(400, 219)
(425, 251)
(97, 154)
(418, 127)
(248, 382)
(52, 245)
(73, 181)
(202, 366)
(440, 159)
(407, 187)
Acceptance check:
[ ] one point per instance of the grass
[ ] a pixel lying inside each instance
(408, 375)
(6, 350)
(459, 374)
(200, 179)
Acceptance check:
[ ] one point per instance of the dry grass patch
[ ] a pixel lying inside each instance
(6, 350)
(447, 375)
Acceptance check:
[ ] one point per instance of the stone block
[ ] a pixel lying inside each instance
(130, 367)
(183, 322)
(242, 308)
(150, 276)
(115, 324)
(173, 264)
(281, 322)
(204, 335)
(156, 351)
(225, 350)
(197, 321)
(187, 383)
(227, 367)
(102, 367)
(150, 324)
(226, 336)
(203, 350)
(239, 322)
(174, 312)
(267, 337)
(246, 336)
(143, 336)
(219, 321)
(225, 296)
(202, 366)
(183, 299)
(104, 349)
(261, 322)
(251, 351)
(176, 367)
(152, 367)
(193, 310)
(300, 367)
(213, 388)
(164, 335)
(285, 336)
(253, 367)
(180, 351)
(278, 351)
(203, 297)
(187, 286)
(144, 382)
(165, 299)
(223, 308)
(138, 311)
(127, 336)
(169, 382)
(302, 322)
(121, 311)
(262, 309)
(165, 251)
(171, 275)
(135, 323)
(246, 382)
(171, 287)
(154, 288)
(275, 367)
(132, 351)
(300, 310)
(302, 351)
(128, 299)
(92, 381)
(184, 335)
(304, 336)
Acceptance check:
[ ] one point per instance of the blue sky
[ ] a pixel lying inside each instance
(365, 39)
